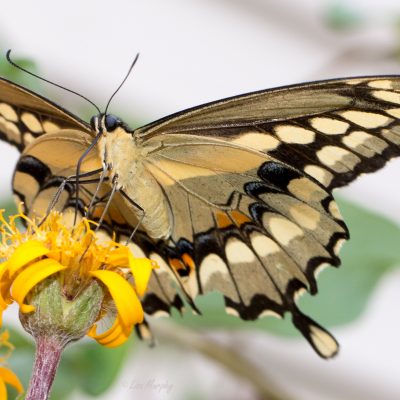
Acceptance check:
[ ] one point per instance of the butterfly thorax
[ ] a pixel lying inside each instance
(124, 159)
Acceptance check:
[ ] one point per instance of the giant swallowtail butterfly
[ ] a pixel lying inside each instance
(232, 196)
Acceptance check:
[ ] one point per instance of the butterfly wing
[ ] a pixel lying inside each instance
(249, 182)
(25, 115)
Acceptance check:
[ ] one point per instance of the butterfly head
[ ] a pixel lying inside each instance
(107, 123)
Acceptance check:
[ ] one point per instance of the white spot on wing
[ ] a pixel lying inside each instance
(320, 174)
(394, 112)
(50, 127)
(356, 138)
(263, 245)
(10, 129)
(294, 134)
(334, 210)
(231, 311)
(323, 341)
(381, 84)
(238, 252)
(282, 229)
(257, 141)
(31, 122)
(365, 119)
(337, 158)
(320, 268)
(8, 112)
(338, 246)
(329, 126)
(354, 81)
(299, 293)
(160, 313)
(391, 97)
(270, 313)
(364, 143)
(212, 264)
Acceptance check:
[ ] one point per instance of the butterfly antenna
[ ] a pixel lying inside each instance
(126, 77)
(13, 63)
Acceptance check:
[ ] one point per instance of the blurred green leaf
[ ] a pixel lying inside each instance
(92, 367)
(340, 17)
(14, 74)
(343, 293)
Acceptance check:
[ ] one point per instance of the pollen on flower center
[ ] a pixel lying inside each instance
(74, 257)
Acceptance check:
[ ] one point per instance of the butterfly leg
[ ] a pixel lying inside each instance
(107, 206)
(92, 201)
(61, 188)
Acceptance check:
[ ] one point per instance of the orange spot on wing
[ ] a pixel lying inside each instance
(176, 264)
(222, 219)
(239, 218)
(188, 261)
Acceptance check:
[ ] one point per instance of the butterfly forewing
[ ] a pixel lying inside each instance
(332, 130)
(25, 115)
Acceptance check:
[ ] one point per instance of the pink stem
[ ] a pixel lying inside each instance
(47, 358)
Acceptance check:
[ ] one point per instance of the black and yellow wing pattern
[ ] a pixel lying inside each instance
(247, 182)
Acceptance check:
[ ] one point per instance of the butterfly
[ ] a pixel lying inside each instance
(233, 196)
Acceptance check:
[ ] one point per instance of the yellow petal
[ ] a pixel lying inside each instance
(3, 390)
(9, 377)
(119, 257)
(99, 336)
(4, 292)
(141, 270)
(128, 305)
(117, 341)
(24, 254)
(115, 336)
(30, 277)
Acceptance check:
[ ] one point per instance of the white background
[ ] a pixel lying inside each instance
(198, 51)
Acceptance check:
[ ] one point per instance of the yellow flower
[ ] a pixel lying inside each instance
(74, 257)
(6, 375)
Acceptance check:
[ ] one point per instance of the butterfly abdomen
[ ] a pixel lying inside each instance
(125, 160)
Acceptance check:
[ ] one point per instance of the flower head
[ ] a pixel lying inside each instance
(90, 275)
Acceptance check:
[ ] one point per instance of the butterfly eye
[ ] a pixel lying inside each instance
(111, 122)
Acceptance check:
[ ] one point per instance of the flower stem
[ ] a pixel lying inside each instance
(47, 358)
